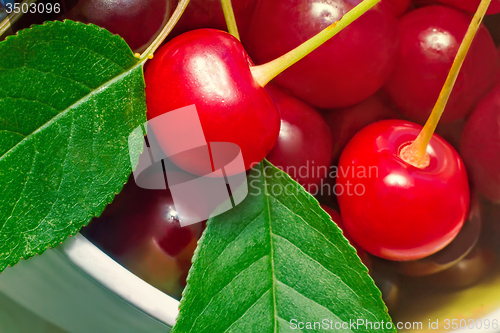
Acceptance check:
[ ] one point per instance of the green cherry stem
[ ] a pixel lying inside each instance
(416, 152)
(227, 8)
(179, 10)
(268, 71)
(13, 17)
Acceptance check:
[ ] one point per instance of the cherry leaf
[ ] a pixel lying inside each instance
(277, 263)
(70, 96)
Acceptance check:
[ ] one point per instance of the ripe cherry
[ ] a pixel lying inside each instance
(395, 210)
(136, 21)
(170, 236)
(210, 68)
(342, 72)
(304, 142)
(451, 254)
(141, 230)
(480, 146)
(430, 38)
(346, 122)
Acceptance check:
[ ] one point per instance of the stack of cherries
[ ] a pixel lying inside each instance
(342, 122)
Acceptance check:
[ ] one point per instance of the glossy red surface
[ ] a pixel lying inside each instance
(430, 38)
(346, 69)
(169, 235)
(480, 146)
(392, 209)
(210, 68)
(304, 142)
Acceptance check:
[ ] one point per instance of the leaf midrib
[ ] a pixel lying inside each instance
(74, 105)
(271, 250)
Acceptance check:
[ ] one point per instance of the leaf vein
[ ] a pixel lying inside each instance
(249, 308)
(218, 292)
(74, 105)
(232, 241)
(312, 259)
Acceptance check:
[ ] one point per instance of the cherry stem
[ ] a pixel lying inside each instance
(13, 17)
(268, 71)
(416, 153)
(179, 10)
(227, 8)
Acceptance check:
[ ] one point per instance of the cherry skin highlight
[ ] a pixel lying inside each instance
(169, 235)
(430, 38)
(210, 69)
(346, 69)
(304, 142)
(480, 146)
(141, 230)
(346, 122)
(392, 209)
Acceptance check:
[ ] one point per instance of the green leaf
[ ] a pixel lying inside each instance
(70, 95)
(275, 258)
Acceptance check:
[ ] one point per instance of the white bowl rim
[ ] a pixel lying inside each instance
(120, 280)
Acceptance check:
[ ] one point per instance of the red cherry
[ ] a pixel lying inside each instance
(304, 145)
(430, 38)
(395, 210)
(136, 21)
(210, 68)
(346, 122)
(345, 70)
(168, 233)
(480, 145)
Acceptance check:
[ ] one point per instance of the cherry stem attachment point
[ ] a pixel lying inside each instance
(268, 71)
(416, 153)
(227, 8)
(13, 17)
(179, 10)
